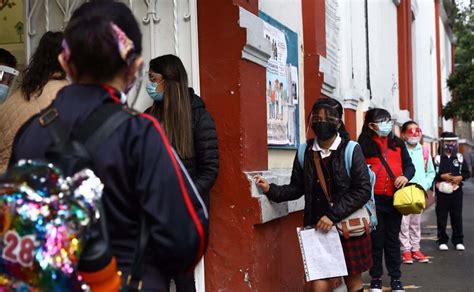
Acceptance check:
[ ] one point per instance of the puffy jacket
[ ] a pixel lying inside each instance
(141, 176)
(16, 110)
(204, 166)
(399, 161)
(349, 193)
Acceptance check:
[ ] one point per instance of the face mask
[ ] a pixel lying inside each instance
(324, 130)
(384, 128)
(3, 92)
(413, 140)
(450, 148)
(151, 89)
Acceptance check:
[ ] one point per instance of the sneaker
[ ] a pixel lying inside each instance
(396, 286)
(460, 246)
(420, 257)
(406, 257)
(376, 285)
(443, 246)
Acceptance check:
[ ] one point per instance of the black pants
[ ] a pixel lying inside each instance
(451, 204)
(185, 283)
(385, 239)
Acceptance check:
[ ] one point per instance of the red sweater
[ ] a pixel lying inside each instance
(384, 184)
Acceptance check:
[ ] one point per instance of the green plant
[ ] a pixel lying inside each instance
(461, 81)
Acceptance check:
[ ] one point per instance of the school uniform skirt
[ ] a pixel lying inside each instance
(357, 253)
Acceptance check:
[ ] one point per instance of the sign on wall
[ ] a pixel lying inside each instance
(281, 84)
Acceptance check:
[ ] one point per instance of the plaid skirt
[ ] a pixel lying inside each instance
(358, 253)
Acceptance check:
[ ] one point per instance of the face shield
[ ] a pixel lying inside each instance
(450, 144)
(7, 79)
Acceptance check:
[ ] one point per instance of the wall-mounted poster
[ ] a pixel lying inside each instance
(282, 84)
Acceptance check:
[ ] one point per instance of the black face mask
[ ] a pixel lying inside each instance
(324, 130)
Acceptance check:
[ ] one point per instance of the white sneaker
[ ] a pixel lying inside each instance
(444, 247)
(460, 246)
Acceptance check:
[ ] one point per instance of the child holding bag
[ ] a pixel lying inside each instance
(410, 231)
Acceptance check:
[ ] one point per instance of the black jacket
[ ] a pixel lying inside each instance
(140, 177)
(204, 166)
(349, 193)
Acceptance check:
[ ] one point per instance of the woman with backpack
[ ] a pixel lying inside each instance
(347, 193)
(157, 224)
(451, 171)
(386, 154)
(188, 126)
(410, 231)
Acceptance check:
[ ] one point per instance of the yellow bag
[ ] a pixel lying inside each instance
(410, 199)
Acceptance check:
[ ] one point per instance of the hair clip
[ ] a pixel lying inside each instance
(124, 44)
(66, 50)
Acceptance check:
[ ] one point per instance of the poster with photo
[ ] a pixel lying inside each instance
(281, 84)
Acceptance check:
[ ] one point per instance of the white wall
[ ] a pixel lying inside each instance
(383, 47)
(425, 101)
(352, 85)
(445, 49)
(289, 13)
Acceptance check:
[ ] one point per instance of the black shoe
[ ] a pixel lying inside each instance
(396, 286)
(376, 285)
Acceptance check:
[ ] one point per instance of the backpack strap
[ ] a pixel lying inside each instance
(49, 119)
(301, 153)
(426, 154)
(104, 121)
(348, 153)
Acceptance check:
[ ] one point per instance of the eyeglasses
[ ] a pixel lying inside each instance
(415, 132)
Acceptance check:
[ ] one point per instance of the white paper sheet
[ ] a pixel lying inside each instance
(323, 256)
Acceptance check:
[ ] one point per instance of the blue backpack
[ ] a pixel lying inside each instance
(370, 205)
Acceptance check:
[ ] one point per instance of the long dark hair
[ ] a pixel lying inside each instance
(44, 65)
(175, 110)
(366, 141)
(333, 108)
(91, 41)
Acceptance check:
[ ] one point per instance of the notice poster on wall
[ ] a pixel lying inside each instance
(282, 84)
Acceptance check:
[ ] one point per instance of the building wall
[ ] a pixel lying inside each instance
(424, 59)
(446, 68)
(383, 54)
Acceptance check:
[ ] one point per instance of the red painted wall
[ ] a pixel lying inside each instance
(242, 255)
(314, 39)
(405, 53)
(350, 121)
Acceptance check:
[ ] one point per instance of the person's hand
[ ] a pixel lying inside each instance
(456, 180)
(324, 224)
(262, 183)
(400, 182)
(446, 177)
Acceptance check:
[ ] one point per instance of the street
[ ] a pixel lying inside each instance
(448, 270)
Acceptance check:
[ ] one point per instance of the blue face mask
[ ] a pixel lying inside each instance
(151, 89)
(3, 92)
(384, 128)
